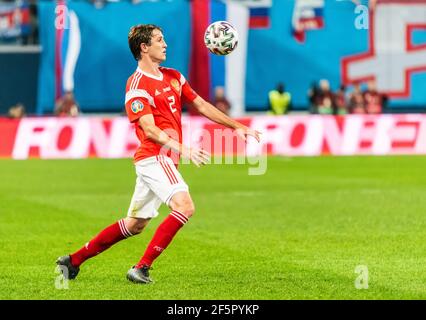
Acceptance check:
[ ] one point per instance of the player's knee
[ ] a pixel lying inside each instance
(135, 226)
(183, 203)
(136, 229)
(189, 210)
(186, 207)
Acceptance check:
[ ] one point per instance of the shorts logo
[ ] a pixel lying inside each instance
(137, 106)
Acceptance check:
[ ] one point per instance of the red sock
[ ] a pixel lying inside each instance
(105, 239)
(162, 237)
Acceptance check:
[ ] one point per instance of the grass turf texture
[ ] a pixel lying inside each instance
(297, 232)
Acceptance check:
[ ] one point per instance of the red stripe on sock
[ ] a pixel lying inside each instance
(178, 218)
(180, 215)
(124, 229)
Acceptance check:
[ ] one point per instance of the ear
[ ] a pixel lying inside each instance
(144, 47)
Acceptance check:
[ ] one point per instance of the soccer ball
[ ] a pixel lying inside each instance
(221, 38)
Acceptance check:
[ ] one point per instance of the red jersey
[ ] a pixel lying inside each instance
(162, 97)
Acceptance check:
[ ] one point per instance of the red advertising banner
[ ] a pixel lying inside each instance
(76, 138)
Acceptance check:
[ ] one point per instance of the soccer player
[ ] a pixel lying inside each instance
(154, 97)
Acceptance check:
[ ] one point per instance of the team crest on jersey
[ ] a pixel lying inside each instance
(175, 85)
(137, 106)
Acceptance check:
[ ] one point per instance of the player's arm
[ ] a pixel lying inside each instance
(197, 156)
(211, 112)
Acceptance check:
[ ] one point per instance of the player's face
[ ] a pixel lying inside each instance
(157, 49)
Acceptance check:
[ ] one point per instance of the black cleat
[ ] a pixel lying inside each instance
(139, 275)
(68, 270)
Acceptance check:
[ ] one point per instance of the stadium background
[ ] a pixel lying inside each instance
(83, 49)
(326, 215)
(321, 55)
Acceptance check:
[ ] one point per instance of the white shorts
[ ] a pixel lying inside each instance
(157, 181)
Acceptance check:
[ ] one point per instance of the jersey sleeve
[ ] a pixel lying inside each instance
(138, 103)
(188, 94)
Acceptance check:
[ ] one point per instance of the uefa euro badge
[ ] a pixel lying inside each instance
(137, 106)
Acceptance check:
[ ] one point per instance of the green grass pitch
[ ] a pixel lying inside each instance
(297, 232)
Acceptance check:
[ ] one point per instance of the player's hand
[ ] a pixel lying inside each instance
(246, 131)
(198, 156)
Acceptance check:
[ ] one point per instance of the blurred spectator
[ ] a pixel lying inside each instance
(324, 99)
(340, 104)
(313, 96)
(67, 106)
(99, 4)
(32, 37)
(17, 111)
(373, 99)
(220, 100)
(356, 100)
(279, 100)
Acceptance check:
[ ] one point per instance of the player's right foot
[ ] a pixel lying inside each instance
(66, 267)
(139, 275)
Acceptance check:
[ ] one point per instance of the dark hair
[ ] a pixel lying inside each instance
(142, 33)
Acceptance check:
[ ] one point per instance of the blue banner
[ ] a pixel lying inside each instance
(355, 44)
(96, 65)
(347, 44)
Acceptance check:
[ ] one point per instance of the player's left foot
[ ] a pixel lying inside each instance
(67, 269)
(139, 275)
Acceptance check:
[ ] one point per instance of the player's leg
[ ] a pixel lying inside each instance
(182, 208)
(136, 225)
(131, 225)
(109, 236)
(167, 183)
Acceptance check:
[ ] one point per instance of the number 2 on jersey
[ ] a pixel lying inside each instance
(172, 103)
